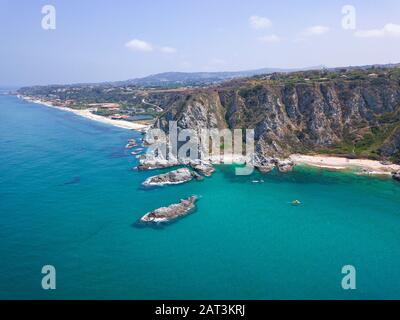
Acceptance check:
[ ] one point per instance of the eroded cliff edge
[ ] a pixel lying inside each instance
(301, 112)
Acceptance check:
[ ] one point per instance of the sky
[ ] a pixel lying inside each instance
(102, 40)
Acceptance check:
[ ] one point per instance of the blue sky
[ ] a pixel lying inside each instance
(99, 40)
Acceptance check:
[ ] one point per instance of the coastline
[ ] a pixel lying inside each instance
(88, 115)
(358, 166)
(365, 166)
(361, 166)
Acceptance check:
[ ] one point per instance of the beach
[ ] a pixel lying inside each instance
(86, 113)
(365, 166)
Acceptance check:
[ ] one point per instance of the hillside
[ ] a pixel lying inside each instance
(352, 112)
(200, 78)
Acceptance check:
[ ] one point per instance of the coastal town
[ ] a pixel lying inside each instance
(116, 104)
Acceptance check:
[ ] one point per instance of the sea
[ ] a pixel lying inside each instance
(70, 197)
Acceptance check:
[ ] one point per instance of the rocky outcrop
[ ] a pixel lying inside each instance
(172, 212)
(263, 164)
(265, 168)
(206, 169)
(151, 164)
(266, 164)
(173, 177)
(285, 165)
(151, 161)
(194, 111)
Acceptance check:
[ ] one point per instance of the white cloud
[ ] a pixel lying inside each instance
(273, 38)
(388, 30)
(139, 45)
(316, 31)
(167, 49)
(257, 22)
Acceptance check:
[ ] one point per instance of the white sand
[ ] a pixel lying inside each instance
(87, 114)
(339, 163)
(118, 123)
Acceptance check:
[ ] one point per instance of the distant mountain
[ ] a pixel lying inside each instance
(201, 78)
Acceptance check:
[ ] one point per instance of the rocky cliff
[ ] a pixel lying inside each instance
(301, 112)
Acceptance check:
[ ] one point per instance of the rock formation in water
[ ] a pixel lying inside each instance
(173, 177)
(172, 212)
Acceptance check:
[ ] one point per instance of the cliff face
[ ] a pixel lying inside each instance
(348, 117)
(194, 111)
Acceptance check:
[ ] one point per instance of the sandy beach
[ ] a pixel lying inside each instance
(338, 163)
(89, 115)
(118, 123)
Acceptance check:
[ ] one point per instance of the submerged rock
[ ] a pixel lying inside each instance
(173, 177)
(396, 175)
(166, 214)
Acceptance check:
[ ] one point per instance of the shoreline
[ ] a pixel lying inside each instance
(365, 166)
(358, 166)
(85, 113)
(361, 166)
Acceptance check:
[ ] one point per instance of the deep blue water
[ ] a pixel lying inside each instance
(69, 198)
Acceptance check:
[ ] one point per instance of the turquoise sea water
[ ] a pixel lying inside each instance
(69, 198)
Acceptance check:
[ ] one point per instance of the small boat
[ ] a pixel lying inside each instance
(296, 202)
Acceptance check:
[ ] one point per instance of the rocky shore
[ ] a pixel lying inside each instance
(172, 212)
(265, 165)
(149, 162)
